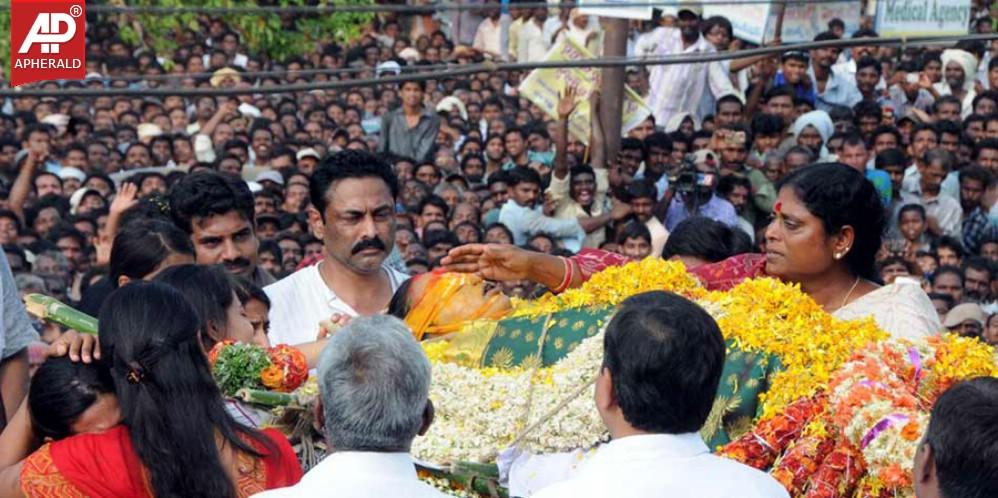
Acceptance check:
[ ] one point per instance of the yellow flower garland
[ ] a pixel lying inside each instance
(761, 315)
(614, 284)
(767, 315)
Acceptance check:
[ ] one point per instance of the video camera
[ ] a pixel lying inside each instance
(690, 180)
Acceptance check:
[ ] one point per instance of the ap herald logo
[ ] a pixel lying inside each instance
(48, 40)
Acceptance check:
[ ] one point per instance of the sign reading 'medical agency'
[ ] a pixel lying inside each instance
(922, 17)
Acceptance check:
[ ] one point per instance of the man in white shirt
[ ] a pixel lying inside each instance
(374, 385)
(679, 88)
(831, 88)
(489, 35)
(662, 362)
(960, 73)
(531, 44)
(353, 197)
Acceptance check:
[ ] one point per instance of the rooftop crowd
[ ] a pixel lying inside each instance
(99, 192)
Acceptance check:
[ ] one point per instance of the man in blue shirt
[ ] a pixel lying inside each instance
(695, 197)
(524, 220)
(793, 73)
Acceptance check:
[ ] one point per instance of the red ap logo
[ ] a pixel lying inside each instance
(49, 40)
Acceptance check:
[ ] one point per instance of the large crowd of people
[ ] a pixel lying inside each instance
(867, 175)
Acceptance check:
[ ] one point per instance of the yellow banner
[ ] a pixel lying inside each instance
(544, 87)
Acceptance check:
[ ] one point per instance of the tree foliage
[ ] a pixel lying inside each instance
(5, 39)
(277, 36)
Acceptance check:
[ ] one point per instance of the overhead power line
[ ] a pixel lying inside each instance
(467, 69)
(275, 72)
(402, 9)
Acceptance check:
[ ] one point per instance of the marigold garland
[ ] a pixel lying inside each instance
(614, 284)
(875, 408)
(767, 315)
(842, 416)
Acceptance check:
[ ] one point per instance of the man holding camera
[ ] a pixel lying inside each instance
(694, 192)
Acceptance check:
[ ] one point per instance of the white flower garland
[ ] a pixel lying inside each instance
(479, 412)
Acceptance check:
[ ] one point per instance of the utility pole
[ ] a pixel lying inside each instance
(612, 96)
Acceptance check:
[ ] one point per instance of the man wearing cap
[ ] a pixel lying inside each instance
(270, 179)
(960, 70)
(306, 160)
(965, 319)
(72, 178)
(225, 77)
(679, 88)
(411, 130)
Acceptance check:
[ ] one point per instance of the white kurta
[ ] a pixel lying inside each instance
(677, 88)
(301, 300)
(357, 474)
(664, 465)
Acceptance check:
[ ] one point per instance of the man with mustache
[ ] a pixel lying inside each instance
(679, 88)
(216, 210)
(353, 212)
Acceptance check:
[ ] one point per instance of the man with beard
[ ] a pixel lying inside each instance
(679, 88)
(216, 210)
(977, 276)
(353, 193)
(473, 168)
(733, 145)
(960, 73)
(831, 89)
